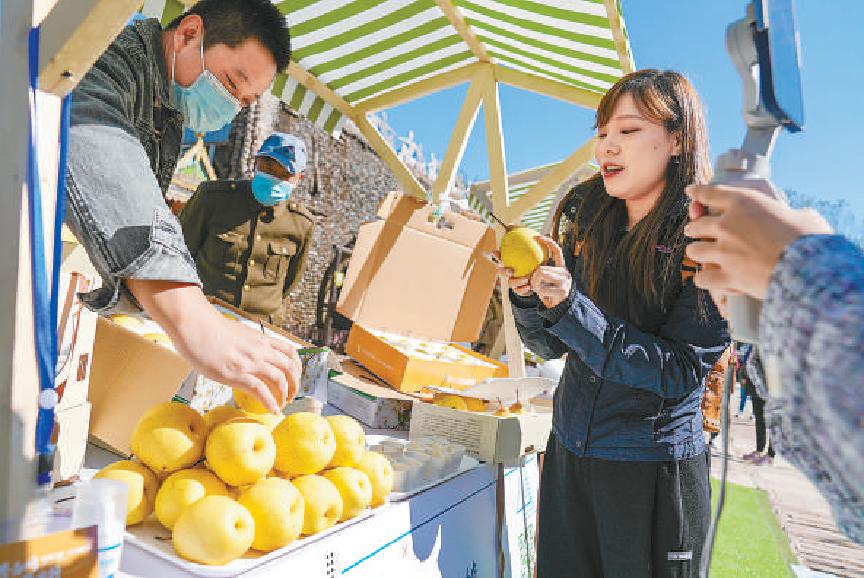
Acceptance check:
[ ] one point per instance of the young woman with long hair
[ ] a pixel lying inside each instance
(624, 489)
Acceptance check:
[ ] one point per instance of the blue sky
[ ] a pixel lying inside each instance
(688, 36)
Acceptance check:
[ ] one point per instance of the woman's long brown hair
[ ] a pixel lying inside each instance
(624, 276)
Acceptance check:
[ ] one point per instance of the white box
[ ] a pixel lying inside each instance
(486, 437)
(75, 356)
(375, 412)
(72, 425)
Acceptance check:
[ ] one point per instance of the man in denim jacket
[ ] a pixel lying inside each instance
(127, 116)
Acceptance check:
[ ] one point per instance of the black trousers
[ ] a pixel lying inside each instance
(761, 429)
(616, 519)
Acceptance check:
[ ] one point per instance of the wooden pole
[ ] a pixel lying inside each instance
(619, 36)
(463, 29)
(420, 88)
(548, 87)
(405, 177)
(461, 132)
(551, 181)
(73, 35)
(500, 195)
(18, 374)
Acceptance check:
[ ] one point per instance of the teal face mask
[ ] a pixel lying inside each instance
(206, 104)
(270, 191)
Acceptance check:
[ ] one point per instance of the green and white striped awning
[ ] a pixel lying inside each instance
(569, 41)
(521, 183)
(535, 218)
(362, 49)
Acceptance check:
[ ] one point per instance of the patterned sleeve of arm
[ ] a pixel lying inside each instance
(812, 323)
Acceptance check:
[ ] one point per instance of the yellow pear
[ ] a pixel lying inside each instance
(142, 486)
(350, 440)
(159, 338)
(354, 487)
(129, 321)
(182, 489)
(305, 444)
(248, 402)
(451, 401)
(169, 437)
(240, 451)
(474, 404)
(268, 420)
(322, 503)
(221, 414)
(277, 508)
(521, 252)
(380, 473)
(214, 530)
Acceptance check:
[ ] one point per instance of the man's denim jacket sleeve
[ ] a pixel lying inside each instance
(115, 205)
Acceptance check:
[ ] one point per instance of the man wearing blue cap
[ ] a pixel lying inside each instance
(249, 239)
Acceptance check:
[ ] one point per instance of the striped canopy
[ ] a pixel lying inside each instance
(363, 49)
(539, 216)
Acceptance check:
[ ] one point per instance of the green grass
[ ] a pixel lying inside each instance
(750, 541)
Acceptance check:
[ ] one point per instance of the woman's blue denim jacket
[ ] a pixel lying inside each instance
(626, 393)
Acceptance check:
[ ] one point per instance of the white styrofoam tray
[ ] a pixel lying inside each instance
(507, 389)
(468, 463)
(152, 537)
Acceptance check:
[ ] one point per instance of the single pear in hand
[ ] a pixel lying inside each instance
(521, 252)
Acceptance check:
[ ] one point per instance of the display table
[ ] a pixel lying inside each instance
(449, 530)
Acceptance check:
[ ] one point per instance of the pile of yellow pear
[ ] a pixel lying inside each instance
(234, 479)
(471, 404)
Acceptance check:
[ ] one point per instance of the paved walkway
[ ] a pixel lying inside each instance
(802, 512)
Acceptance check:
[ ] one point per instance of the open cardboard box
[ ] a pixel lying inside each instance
(131, 374)
(410, 277)
(77, 330)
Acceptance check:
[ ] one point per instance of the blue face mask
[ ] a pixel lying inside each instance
(206, 104)
(270, 191)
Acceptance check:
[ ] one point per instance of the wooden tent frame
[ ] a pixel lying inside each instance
(73, 35)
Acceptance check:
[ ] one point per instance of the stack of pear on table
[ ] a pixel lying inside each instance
(235, 479)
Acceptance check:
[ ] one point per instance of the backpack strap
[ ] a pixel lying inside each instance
(689, 268)
(712, 397)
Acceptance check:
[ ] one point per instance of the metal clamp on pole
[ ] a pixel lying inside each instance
(764, 48)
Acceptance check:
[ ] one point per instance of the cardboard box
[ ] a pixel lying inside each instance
(410, 277)
(360, 394)
(486, 437)
(408, 373)
(78, 327)
(130, 375)
(72, 424)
